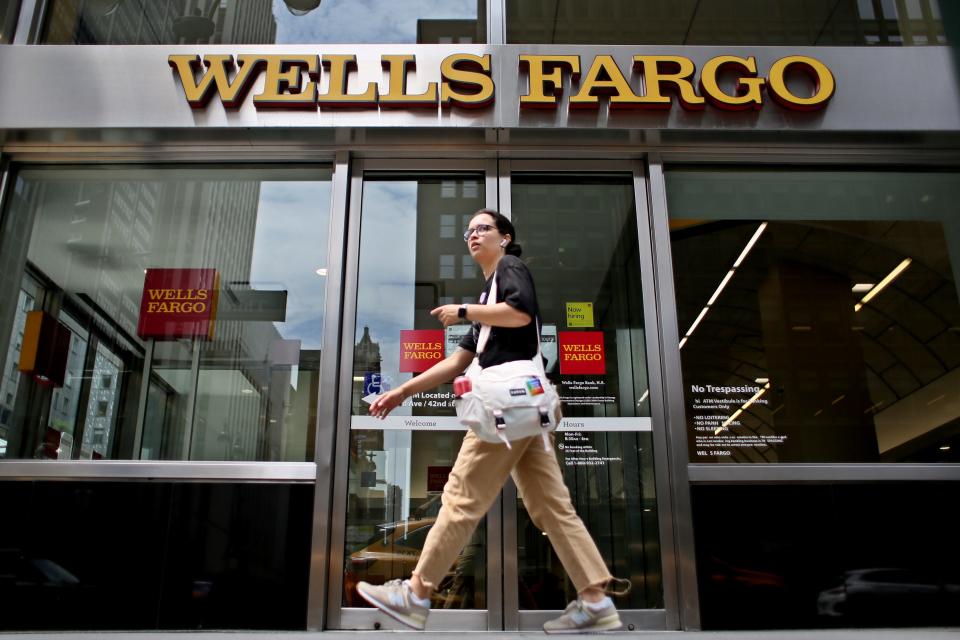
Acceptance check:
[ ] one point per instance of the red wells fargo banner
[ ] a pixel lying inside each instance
(582, 352)
(420, 349)
(178, 303)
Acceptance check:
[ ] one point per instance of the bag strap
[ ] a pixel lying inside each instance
(486, 328)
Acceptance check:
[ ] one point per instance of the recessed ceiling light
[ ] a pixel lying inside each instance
(945, 447)
(321, 271)
(890, 277)
(246, 391)
(862, 287)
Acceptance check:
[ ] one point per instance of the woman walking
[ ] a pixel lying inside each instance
(481, 467)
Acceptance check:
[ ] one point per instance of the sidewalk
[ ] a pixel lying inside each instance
(843, 634)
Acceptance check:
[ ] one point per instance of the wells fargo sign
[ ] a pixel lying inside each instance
(581, 352)
(466, 80)
(420, 349)
(178, 303)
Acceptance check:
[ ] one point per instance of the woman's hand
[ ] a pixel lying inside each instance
(387, 402)
(447, 314)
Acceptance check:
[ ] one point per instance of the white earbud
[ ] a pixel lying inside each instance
(504, 242)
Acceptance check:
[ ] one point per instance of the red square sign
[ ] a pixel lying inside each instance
(420, 349)
(582, 352)
(178, 303)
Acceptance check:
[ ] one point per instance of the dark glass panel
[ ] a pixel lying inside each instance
(792, 557)
(726, 22)
(127, 555)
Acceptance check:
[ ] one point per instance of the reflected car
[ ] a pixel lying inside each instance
(887, 595)
(393, 551)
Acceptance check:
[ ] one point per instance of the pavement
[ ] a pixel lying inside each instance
(833, 634)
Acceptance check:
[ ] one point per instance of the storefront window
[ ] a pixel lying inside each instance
(726, 22)
(818, 314)
(8, 21)
(163, 313)
(264, 22)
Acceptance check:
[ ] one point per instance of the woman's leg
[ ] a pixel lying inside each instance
(476, 479)
(547, 500)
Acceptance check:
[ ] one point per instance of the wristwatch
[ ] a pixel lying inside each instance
(462, 311)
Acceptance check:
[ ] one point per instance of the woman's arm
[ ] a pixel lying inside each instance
(495, 315)
(443, 371)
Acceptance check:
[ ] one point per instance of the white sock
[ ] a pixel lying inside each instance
(597, 606)
(421, 602)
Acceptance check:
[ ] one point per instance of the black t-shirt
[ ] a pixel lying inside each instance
(505, 344)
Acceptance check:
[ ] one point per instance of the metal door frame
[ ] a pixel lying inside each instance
(633, 619)
(338, 616)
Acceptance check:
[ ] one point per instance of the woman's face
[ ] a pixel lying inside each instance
(487, 244)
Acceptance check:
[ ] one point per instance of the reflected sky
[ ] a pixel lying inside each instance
(289, 246)
(385, 297)
(365, 21)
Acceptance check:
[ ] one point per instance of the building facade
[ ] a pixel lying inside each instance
(223, 225)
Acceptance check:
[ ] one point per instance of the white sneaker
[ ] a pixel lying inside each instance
(580, 618)
(394, 599)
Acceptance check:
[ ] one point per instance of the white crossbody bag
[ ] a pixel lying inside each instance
(509, 401)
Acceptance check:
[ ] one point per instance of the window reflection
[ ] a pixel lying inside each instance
(725, 22)
(9, 11)
(264, 21)
(806, 338)
(78, 248)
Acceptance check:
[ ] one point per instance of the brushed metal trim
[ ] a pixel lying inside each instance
(496, 544)
(675, 415)
(496, 21)
(139, 471)
(809, 473)
(325, 426)
(74, 89)
(348, 317)
(652, 302)
(639, 619)
(440, 620)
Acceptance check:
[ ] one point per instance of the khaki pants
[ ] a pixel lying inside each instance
(479, 473)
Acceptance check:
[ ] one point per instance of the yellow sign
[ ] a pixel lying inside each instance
(579, 314)
(292, 81)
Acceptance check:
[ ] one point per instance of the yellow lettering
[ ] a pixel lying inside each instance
(283, 82)
(675, 70)
(748, 90)
(818, 72)
(338, 67)
(398, 67)
(214, 80)
(616, 86)
(155, 294)
(460, 71)
(546, 79)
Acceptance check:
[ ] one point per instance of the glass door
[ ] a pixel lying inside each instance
(578, 229)
(411, 258)
(577, 223)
